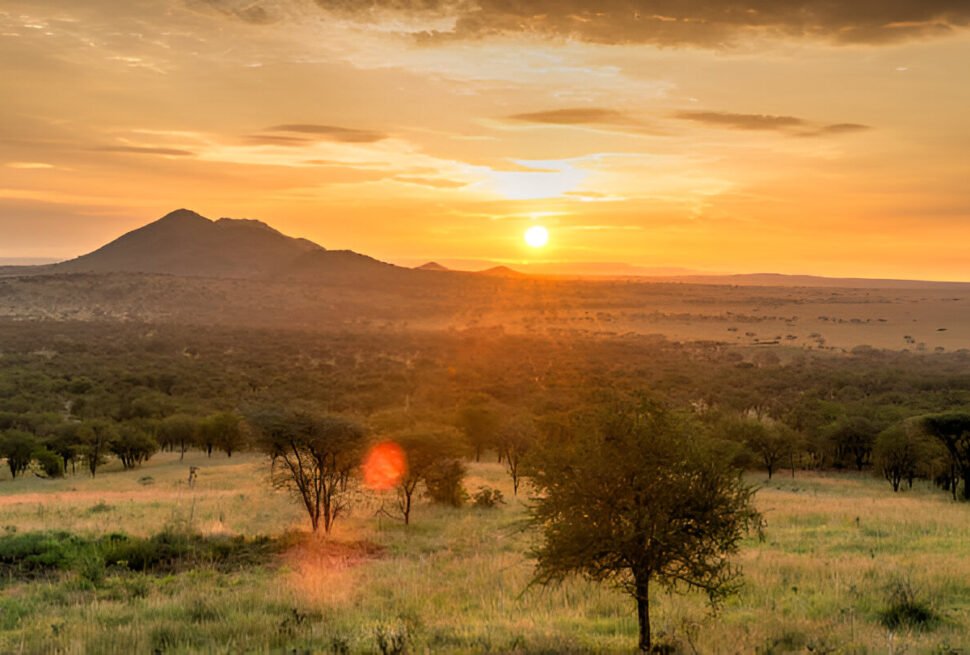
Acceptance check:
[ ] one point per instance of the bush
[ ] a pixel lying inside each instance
(36, 554)
(906, 610)
(443, 481)
(488, 498)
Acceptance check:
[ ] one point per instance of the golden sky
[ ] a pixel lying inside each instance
(792, 136)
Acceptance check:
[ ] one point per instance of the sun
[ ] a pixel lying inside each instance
(537, 236)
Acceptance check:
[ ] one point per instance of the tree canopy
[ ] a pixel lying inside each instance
(637, 495)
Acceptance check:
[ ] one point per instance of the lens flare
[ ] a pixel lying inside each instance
(384, 466)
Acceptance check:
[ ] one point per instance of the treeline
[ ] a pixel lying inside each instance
(75, 394)
(55, 444)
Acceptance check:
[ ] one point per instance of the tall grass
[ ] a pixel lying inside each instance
(457, 580)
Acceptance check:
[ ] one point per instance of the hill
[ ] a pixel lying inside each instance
(432, 266)
(188, 244)
(501, 271)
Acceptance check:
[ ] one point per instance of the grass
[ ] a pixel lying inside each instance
(846, 566)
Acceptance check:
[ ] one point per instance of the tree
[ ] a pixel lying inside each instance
(952, 429)
(853, 439)
(132, 445)
(95, 435)
(312, 456)
(223, 431)
(515, 437)
(479, 421)
(178, 431)
(66, 443)
(897, 454)
(763, 438)
(17, 447)
(637, 496)
(426, 446)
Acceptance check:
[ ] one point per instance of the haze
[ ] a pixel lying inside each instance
(744, 136)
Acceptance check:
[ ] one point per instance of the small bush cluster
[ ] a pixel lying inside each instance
(488, 498)
(37, 554)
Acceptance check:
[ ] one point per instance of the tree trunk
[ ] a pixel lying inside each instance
(642, 585)
(966, 484)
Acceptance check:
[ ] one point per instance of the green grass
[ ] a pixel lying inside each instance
(837, 550)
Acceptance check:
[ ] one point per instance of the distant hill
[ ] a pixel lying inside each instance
(185, 243)
(501, 271)
(432, 266)
(812, 281)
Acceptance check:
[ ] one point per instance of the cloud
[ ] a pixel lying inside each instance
(249, 11)
(705, 23)
(138, 150)
(767, 122)
(844, 128)
(575, 116)
(323, 133)
(741, 121)
(434, 183)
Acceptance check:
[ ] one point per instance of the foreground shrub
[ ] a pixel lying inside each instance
(906, 610)
(488, 498)
(37, 554)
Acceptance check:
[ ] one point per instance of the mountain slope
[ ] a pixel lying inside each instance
(185, 243)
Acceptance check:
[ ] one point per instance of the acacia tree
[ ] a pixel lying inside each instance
(479, 420)
(95, 435)
(312, 456)
(853, 438)
(636, 496)
(178, 431)
(224, 431)
(952, 429)
(515, 437)
(426, 447)
(17, 447)
(133, 445)
(898, 453)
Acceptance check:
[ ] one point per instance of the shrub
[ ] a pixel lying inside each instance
(444, 482)
(488, 498)
(906, 610)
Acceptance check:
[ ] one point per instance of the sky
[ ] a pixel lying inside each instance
(789, 136)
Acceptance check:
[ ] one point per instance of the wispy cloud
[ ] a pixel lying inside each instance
(741, 121)
(329, 133)
(575, 116)
(145, 150)
(792, 125)
(705, 23)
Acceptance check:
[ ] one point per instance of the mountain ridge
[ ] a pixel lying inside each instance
(186, 243)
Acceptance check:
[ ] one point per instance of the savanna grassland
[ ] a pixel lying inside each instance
(834, 549)
(105, 546)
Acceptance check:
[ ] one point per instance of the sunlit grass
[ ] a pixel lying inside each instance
(458, 580)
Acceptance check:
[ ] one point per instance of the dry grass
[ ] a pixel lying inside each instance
(457, 580)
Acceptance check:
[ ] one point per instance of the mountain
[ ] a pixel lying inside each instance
(432, 266)
(188, 244)
(339, 266)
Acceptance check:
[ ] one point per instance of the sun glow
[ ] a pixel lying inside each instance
(537, 236)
